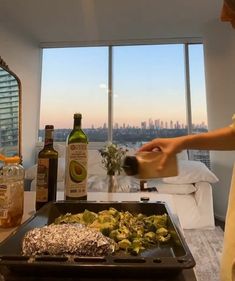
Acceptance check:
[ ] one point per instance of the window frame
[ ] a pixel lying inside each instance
(187, 88)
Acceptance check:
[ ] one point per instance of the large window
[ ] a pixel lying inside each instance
(198, 98)
(75, 80)
(126, 94)
(149, 92)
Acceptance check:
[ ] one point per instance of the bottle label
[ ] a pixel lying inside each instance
(76, 170)
(42, 180)
(11, 203)
(3, 201)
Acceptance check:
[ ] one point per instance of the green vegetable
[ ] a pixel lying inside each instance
(163, 235)
(132, 232)
(89, 217)
(124, 244)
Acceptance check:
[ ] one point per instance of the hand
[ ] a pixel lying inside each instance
(169, 147)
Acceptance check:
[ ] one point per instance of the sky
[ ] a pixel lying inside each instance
(148, 83)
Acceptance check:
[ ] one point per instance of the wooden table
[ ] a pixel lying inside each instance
(29, 210)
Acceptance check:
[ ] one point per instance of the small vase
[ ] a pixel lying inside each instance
(112, 183)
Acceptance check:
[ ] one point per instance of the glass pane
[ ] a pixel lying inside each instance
(75, 80)
(9, 121)
(149, 93)
(198, 98)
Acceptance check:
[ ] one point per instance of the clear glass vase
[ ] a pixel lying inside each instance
(112, 183)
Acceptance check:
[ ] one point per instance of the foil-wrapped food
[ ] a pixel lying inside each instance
(66, 239)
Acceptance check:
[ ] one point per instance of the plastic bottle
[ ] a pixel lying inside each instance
(11, 192)
(76, 162)
(46, 186)
(144, 165)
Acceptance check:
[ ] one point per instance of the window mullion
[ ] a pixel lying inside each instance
(187, 89)
(110, 94)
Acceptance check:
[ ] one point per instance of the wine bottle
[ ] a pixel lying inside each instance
(46, 185)
(76, 162)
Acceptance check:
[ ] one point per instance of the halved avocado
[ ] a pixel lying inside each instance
(77, 171)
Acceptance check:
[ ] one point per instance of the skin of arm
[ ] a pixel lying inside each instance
(220, 139)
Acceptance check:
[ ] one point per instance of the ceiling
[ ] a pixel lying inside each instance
(55, 22)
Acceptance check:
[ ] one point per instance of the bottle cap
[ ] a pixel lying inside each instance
(77, 116)
(130, 165)
(49, 127)
(13, 159)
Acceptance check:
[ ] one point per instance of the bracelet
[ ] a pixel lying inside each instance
(233, 124)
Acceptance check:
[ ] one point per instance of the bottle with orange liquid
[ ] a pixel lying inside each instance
(11, 191)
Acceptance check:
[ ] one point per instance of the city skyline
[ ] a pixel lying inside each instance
(150, 124)
(154, 124)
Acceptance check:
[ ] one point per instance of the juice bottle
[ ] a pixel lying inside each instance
(11, 191)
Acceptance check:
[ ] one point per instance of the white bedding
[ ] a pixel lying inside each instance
(194, 208)
(99, 183)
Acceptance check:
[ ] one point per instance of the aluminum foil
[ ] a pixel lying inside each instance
(66, 239)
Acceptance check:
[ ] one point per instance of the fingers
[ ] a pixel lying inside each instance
(149, 147)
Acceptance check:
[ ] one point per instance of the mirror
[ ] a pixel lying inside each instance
(10, 111)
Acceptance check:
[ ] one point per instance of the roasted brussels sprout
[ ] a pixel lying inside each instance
(132, 232)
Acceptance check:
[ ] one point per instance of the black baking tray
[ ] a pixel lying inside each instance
(163, 260)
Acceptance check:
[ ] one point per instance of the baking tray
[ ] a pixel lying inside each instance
(166, 259)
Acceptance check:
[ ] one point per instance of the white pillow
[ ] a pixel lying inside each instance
(166, 188)
(192, 172)
(31, 172)
(171, 188)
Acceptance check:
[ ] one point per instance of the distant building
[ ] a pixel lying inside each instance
(157, 124)
(143, 125)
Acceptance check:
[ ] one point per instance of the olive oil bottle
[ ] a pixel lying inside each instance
(76, 162)
(46, 185)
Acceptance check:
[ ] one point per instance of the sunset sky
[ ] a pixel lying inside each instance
(148, 82)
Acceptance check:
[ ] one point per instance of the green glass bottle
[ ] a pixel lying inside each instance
(76, 162)
(46, 186)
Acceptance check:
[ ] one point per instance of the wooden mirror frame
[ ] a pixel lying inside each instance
(4, 66)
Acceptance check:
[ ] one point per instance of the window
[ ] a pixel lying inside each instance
(146, 85)
(198, 99)
(149, 93)
(75, 80)
(9, 103)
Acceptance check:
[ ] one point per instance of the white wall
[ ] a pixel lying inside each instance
(24, 58)
(219, 45)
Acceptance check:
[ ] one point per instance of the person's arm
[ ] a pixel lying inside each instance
(220, 139)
